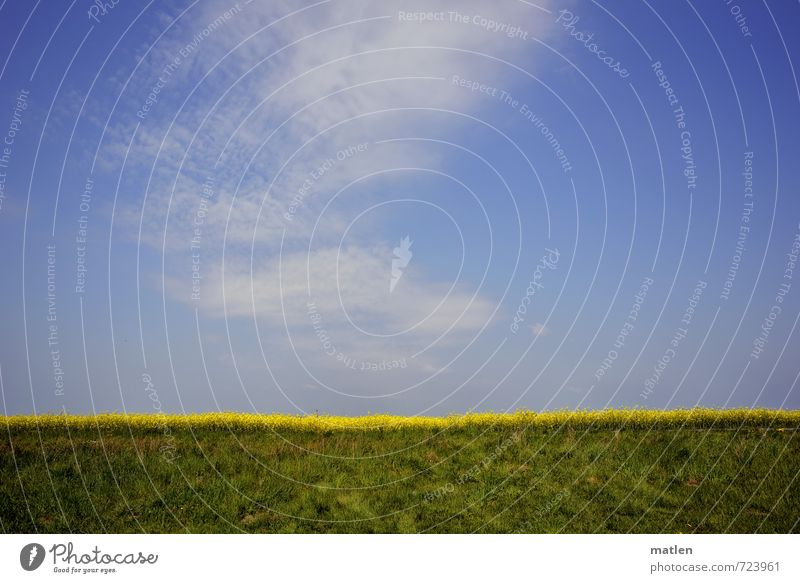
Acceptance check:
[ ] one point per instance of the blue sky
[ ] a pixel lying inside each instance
(206, 203)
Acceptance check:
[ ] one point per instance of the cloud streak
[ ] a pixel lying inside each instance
(254, 139)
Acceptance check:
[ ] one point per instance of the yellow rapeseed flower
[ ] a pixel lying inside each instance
(601, 419)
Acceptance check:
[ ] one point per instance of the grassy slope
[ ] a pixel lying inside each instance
(607, 472)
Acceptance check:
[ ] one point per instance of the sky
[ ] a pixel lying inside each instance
(398, 207)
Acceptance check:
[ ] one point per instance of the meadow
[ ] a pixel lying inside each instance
(688, 471)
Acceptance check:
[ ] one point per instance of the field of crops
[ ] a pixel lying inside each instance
(698, 470)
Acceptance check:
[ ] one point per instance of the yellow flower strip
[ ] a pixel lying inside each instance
(602, 419)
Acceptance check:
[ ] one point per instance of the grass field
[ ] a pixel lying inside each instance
(610, 471)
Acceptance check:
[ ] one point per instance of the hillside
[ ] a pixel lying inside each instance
(611, 471)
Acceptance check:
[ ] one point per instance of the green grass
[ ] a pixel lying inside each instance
(622, 472)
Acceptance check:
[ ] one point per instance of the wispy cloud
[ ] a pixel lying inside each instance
(540, 329)
(253, 135)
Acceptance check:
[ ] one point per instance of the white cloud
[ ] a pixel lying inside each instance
(540, 329)
(347, 285)
(331, 68)
(334, 75)
(349, 292)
